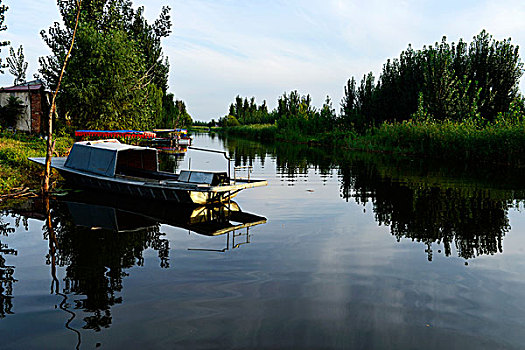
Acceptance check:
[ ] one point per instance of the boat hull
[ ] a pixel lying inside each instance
(169, 191)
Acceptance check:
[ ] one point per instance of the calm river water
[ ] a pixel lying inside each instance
(353, 251)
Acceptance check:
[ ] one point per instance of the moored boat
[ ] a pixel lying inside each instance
(169, 137)
(111, 166)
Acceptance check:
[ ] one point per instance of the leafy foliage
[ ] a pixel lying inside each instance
(445, 81)
(117, 73)
(106, 81)
(174, 113)
(229, 120)
(293, 112)
(500, 140)
(247, 112)
(10, 112)
(454, 101)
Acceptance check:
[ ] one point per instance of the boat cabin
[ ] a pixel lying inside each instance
(110, 157)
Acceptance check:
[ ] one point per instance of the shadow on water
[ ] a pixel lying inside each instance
(98, 237)
(455, 205)
(7, 271)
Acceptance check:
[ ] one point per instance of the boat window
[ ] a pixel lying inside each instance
(136, 159)
(184, 176)
(201, 178)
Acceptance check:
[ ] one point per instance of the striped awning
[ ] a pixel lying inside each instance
(116, 134)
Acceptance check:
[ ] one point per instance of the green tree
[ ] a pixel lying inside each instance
(168, 111)
(366, 94)
(174, 113)
(456, 81)
(248, 112)
(106, 85)
(182, 117)
(228, 120)
(350, 116)
(17, 65)
(327, 116)
(3, 9)
(11, 111)
(130, 98)
(295, 112)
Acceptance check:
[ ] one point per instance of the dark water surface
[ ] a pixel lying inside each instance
(346, 251)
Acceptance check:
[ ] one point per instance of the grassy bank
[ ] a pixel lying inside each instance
(501, 141)
(15, 169)
(261, 132)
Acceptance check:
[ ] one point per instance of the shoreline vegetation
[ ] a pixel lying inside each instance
(498, 142)
(455, 101)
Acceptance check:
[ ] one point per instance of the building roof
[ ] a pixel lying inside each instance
(30, 85)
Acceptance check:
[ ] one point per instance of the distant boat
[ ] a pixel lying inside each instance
(134, 134)
(111, 166)
(169, 138)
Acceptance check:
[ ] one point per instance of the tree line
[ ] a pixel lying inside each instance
(462, 81)
(444, 81)
(293, 111)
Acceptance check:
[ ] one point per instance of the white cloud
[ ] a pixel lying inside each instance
(219, 49)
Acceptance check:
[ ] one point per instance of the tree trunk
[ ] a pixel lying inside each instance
(50, 142)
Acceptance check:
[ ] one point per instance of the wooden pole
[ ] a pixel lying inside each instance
(50, 142)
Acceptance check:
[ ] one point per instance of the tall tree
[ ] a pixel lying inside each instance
(106, 85)
(456, 81)
(183, 118)
(17, 65)
(174, 113)
(349, 117)
(3, 9)
(132, 97)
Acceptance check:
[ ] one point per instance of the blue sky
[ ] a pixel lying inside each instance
(219, 49)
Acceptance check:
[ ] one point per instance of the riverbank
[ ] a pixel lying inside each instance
(499, 142)
(16, 171)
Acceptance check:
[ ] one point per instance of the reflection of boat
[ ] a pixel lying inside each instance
(114, 214)
(96, 217)
(172, 150)
(110, 166)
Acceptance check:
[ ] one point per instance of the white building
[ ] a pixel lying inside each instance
(36, 101)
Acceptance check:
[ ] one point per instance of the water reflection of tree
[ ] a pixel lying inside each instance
(429, 209)
(464, 206)
(170, 162)
(96, 260)
(7, 271)
(291, 160)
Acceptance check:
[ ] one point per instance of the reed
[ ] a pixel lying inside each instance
(500, 141)
(261, 132)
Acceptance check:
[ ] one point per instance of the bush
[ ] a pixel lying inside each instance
(10, 113)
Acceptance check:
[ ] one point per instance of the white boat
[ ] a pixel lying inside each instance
(111, 166)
